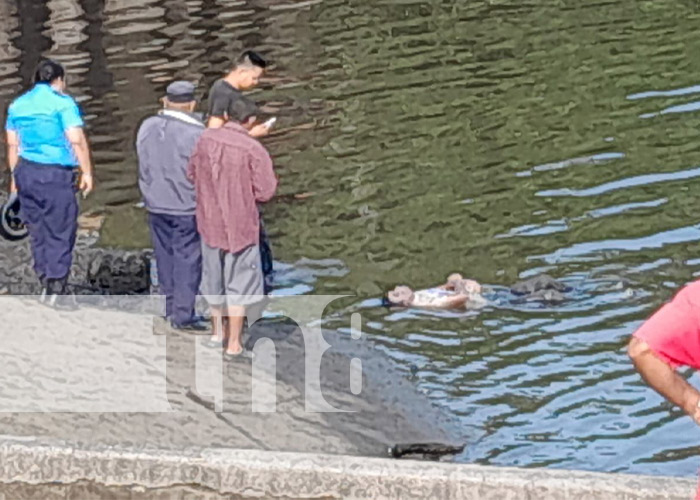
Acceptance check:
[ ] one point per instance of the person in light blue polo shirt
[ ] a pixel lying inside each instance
(47, 150)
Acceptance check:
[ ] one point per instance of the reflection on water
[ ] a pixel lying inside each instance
(498, 139)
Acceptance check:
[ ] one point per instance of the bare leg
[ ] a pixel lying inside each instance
(217, 323)
(234, 330)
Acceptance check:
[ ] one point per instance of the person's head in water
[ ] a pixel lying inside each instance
(401, 296)
(453, 279)
(179, 96)
(247, 72)
(468, 287)
(459, 284)
(51, 73)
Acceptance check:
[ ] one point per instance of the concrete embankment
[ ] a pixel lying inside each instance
(41, 470)
(99, 376)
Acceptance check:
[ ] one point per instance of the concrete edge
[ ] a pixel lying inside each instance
(268, 474)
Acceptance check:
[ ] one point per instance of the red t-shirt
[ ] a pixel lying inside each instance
(673, 332)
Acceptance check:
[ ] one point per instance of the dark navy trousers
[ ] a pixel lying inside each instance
(265, 259)
(49, 209)
(178, 253)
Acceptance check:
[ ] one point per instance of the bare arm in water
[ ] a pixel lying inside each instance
(664, 379)
(423, 298)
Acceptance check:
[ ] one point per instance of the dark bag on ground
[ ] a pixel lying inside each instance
(125, 273)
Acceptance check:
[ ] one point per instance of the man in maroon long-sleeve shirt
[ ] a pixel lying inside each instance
(232, 172)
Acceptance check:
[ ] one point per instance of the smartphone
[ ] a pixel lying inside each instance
(269, 123)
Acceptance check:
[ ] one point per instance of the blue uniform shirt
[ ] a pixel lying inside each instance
(41, 117)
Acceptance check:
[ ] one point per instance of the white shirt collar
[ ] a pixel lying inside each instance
(181, 115)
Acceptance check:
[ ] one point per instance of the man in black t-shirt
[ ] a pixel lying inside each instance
(226, 99)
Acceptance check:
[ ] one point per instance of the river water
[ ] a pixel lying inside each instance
(497, 138)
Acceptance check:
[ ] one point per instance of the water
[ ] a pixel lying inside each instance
(496, 138)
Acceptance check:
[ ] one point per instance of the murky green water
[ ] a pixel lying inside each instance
(495, 138)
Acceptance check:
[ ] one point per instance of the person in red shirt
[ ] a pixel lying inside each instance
(666, 341)
(232, 173)
(670, 338)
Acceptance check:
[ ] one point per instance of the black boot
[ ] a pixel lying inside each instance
(44, 292)
(196, 326)
(58, 296)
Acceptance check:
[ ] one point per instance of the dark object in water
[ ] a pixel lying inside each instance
(429, 451)
(11, 226)
(543, 296)
(540, 283)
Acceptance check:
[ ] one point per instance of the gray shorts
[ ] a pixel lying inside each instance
(236, 277)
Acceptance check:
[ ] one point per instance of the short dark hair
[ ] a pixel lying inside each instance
(251, 58)
(47, 71)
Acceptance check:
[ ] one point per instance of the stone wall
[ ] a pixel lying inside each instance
(227, 473)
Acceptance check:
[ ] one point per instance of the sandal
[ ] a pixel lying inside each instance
(242, 354)
(214, 344)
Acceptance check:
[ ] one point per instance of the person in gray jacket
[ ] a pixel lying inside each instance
(164, 144)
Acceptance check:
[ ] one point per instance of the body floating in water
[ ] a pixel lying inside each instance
(458, 292)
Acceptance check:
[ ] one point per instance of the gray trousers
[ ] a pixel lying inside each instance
(231, 278)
